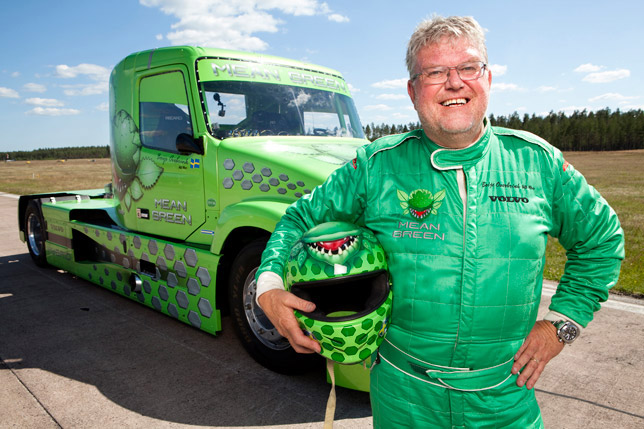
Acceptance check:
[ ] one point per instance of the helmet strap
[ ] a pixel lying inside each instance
(329, 416)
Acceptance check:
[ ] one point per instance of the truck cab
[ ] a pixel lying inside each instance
(195, 131)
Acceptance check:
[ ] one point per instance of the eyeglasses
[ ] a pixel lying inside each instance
(437, 75)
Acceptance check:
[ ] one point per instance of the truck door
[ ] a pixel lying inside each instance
(171, 196)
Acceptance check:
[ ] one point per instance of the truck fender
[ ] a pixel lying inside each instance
(257, 214)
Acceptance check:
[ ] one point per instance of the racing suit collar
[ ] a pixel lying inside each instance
(450, 159)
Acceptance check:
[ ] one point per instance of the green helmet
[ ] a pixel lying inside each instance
(342, 269)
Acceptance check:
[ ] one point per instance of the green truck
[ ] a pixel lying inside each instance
(208, 147)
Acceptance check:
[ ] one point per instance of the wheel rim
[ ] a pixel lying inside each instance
(261, 326)
(34, 234)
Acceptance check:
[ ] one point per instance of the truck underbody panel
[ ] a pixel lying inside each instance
(173, 278)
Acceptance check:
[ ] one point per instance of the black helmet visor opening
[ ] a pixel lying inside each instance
(359, 294)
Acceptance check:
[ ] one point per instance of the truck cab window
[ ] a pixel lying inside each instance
(163, 111)
(242, 109)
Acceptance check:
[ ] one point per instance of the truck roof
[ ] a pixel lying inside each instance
(190, 54)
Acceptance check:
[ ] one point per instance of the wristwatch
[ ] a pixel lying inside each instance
(567, 331)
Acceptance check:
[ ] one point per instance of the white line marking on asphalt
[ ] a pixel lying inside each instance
(4, 194)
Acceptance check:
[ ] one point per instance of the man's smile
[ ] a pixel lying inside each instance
(455, 102)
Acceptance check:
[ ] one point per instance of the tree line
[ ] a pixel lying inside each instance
(84, 152)
(581, 131)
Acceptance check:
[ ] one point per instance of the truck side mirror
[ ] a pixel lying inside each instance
(185, 143)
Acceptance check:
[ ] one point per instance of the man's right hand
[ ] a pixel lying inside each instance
(278, 305)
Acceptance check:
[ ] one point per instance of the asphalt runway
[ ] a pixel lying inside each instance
(74, 355)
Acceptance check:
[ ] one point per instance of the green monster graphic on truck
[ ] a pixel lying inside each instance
(338, 251)
(132, 174)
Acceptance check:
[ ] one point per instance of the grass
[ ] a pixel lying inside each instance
(30, 177)
(616, 175)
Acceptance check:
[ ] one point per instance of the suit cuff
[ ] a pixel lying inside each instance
(266, 281)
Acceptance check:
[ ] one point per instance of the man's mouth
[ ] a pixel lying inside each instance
(454, 102)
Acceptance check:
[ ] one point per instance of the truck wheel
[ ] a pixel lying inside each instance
(35, 234)
(257, 334)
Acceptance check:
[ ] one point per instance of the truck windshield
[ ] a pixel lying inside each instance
(242, 109)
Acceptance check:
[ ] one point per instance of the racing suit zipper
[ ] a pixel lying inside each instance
(462, 190)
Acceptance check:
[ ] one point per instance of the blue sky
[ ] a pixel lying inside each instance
(55, 57)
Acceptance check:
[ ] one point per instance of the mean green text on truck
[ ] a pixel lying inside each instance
(209, 147)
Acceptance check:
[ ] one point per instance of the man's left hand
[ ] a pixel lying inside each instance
(537, 350)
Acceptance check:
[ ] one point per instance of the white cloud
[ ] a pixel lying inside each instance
(34, 87)
(46, 102)
(613, 96)
(336, 17)
(377, 107)
(98, 74)
(159, 36)
(103, 107)
(85, 88)
(545, 88)
(594, 75)
(52, 111)
(291, 7)
(399, 115)
(607, 76)
(232, 23)
(15, 74)
(8, 93)
(392, 97)
(588, 68)
(352, 89)
(498, 87)
(497, 69)
(633, 107)
(391, 84)
(93, 71)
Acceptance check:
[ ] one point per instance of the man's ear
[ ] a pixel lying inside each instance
(410, 91)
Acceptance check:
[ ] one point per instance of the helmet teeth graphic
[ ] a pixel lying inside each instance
(334, 250)
(335, 247)
(353, 304)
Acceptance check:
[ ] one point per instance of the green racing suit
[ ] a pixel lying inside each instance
(465, 233)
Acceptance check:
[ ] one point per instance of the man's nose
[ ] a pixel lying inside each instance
(454, 81)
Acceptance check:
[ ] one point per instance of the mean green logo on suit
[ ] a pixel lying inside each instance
(421, 202)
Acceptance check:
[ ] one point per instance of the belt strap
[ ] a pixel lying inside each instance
(462, 379)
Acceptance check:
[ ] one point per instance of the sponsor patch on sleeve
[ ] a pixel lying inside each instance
(565, 165)
(355, 163)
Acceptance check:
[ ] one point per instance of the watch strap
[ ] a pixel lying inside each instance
(553, 316)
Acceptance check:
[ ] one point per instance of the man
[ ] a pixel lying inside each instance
(463, 211)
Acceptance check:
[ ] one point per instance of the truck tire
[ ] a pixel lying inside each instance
(257, 334)
(35, 234)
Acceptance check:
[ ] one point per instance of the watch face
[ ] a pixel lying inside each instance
(568, 332)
